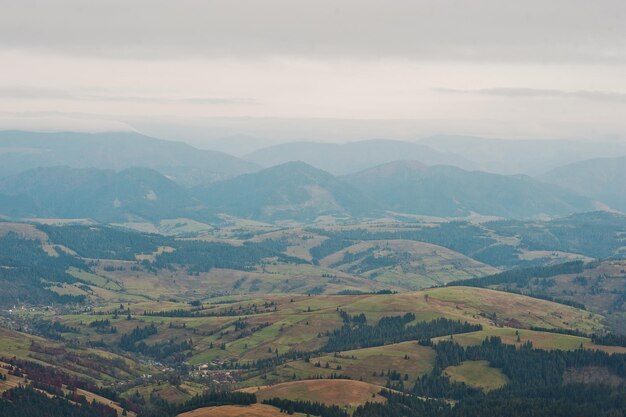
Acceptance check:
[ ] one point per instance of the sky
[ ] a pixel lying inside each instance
(340, 70)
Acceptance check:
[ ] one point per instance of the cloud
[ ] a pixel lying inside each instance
(530, 30)
(609, 96)
(27, 93)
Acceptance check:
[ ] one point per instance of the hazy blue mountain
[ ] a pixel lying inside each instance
(603, 179)
(341, 159)
(293, 190)
(531, 157)
(133, 194)
(185, 164)
(411, 187)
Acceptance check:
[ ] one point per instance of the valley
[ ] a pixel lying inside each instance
(385, 288)
(296, 315)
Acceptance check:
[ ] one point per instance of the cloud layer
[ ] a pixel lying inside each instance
(506, 68)
(535, 30)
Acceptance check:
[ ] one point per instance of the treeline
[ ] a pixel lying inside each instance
(371, 262)
(161, 408)
(500, 255)
(521, 276)
(24, 401)
(328, 247)
(127, 341)
(201, 256)
(459, 236)
(392, 330)
(525, 366)
(535, 386)
(596, 234)
(171, 349)
(555, 401)
(52, 329)
(105, 242)
(201, 312)
(51, 376)
(306, 407)
(27, 273)
(609, 339)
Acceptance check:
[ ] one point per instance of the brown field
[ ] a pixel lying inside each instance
(253, 410)
(11, 382)
(94, 397)
(343, 392)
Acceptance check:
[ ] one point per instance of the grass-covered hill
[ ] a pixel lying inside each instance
(210, 326)
(310, 348)
(598, 286)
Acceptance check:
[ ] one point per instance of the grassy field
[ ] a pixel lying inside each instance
(599, 287)
(301, 323)
(541, 340)
(369, 365)
(283, 323)
(87, 363)
(477, 374)
(253, 410)
(416, 264)
(14, 381)
(175, 394)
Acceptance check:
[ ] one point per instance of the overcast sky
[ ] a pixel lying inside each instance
(318, 69)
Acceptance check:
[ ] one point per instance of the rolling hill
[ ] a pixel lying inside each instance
(20, 151)
(410, 187)
(405, 263)
(347, 158)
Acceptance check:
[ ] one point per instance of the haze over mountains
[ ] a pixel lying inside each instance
(447, 191)
(116, 150)
(129, 177)
(531, 157)
(293, 190)
(341, 159)
(103, 195)
(603, 179)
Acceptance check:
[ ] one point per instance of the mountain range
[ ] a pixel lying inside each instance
(523, 156)
(348, 158)
(446, 191)
(294, 191)
(185, 164)
(132, 194)
(603, 179)
(129, 177)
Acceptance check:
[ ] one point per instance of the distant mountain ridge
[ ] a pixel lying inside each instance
(348, 158)
(133, 194)
(20, 150)
(294, 190)
(603, 179)
(288, 192)
(411, 187)
(528, 156)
